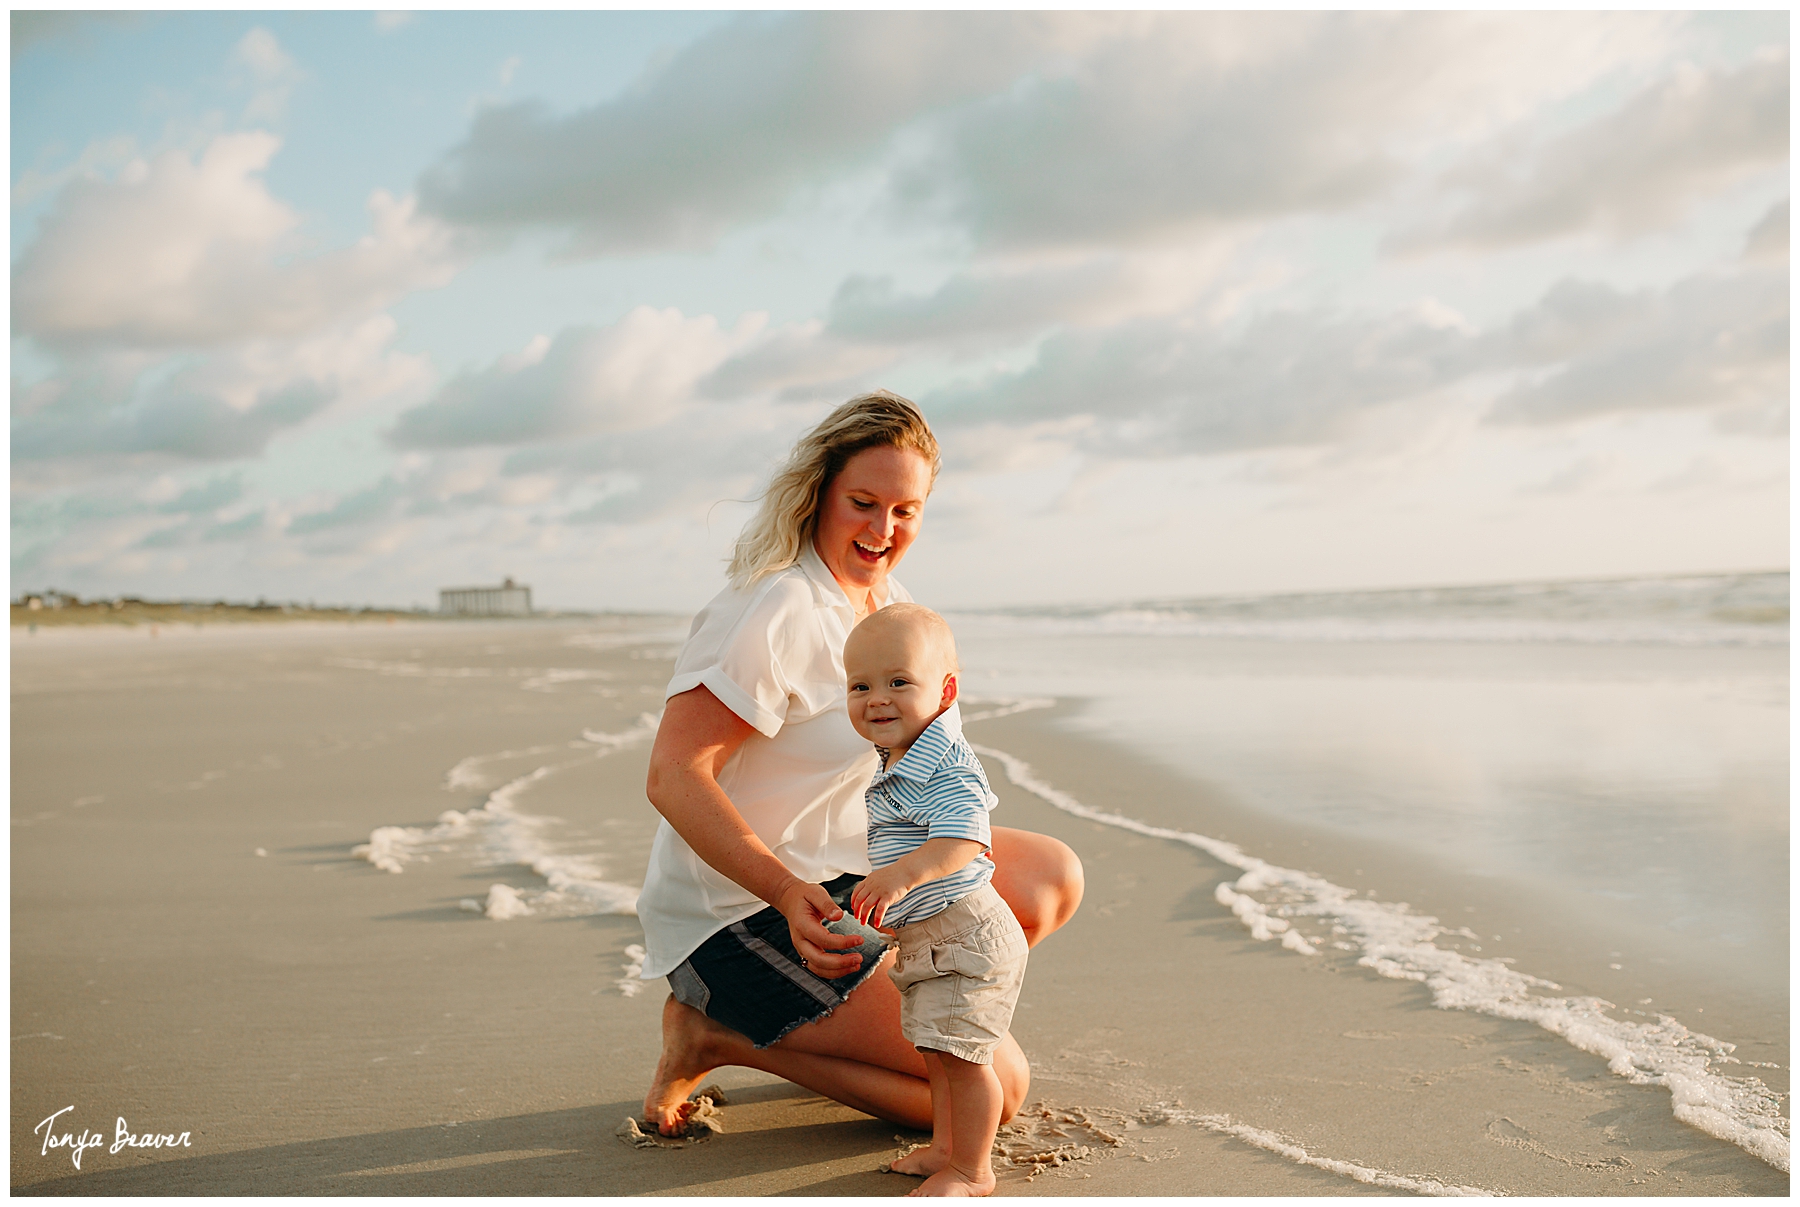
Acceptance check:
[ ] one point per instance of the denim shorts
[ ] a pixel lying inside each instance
(748, 976)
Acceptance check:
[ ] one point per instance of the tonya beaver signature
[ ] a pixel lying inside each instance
(123, 1137)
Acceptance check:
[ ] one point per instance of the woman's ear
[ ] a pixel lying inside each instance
(949, 691)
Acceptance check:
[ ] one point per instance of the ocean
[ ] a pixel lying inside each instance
(1594, 773)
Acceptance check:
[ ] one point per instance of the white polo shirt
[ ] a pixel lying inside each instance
(774, 655)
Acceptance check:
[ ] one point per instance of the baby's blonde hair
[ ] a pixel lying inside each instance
(917, 618)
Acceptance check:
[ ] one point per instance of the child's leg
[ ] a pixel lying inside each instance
(923, 1162)
(974, 1101)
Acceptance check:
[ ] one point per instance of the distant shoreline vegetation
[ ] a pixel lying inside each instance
(55, 609)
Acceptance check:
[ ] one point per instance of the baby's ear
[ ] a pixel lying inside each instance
(949, 691)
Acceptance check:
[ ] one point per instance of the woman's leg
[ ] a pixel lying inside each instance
(856, 1055)
(694, 1045)
(1039, 878)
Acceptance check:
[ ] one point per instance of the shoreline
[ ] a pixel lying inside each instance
(1113, 779)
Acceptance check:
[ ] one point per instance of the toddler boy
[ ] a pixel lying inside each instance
(961, 954)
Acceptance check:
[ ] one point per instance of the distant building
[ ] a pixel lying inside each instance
(508, 599)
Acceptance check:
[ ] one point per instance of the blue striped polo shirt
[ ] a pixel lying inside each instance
(937, 789)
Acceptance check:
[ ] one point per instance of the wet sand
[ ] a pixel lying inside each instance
(319, 1026)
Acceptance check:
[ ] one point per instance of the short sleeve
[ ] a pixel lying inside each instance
(956, 805)
(754, 650)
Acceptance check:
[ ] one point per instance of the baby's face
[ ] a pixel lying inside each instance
(899, 683)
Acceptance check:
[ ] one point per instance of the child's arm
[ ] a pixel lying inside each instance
(934, 859)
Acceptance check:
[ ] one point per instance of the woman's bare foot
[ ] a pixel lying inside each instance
(952, 1183)
(922, 1162)
(689, 1049)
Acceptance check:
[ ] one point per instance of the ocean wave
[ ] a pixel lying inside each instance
(1164, 1114)
(1700, 610)
(1282, 904)
(574, 885)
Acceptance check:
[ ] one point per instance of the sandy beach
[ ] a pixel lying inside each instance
(198, 950)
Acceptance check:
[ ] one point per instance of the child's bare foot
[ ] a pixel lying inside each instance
(953, 1183)
(922, 1162)
(686, 1060)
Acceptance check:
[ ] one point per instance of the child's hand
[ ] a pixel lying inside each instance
(880, 889)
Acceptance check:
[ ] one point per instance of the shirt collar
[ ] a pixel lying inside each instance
(826, 590)
(927, 752)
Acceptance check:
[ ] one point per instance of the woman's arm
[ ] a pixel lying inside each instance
(698, 734)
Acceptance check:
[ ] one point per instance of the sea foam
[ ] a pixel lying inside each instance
(574, 884)
(1163, 1114)
(1283, 904)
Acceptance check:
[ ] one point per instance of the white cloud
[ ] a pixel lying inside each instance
(1172, 385)
(1208, 119)
(1767, 242)
(177, 251)
(269, 72)
(608, 379)
(215, 407)
(1041, 129)
(1636, 169)
(1711, 341)
(732, 125)
(977, 308)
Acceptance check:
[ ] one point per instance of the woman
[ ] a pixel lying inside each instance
(759, 779)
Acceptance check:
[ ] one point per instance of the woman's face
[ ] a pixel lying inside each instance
(870, 515)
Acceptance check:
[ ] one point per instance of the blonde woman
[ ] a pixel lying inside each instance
(759, 778)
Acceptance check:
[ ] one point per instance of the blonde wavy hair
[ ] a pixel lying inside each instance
(789, 515)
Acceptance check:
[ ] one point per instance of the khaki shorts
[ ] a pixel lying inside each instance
(959, 973)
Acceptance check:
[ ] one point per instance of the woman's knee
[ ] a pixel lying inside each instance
(1040, 877)
(1014, 1072)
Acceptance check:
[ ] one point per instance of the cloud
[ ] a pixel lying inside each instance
(182, 252)
(978, 307)
(1023, 129)
(1716, 341)
(270, 73)
(586, 380)
(1768, 240)
(174, 421)
(208, 496)
(1631, 171)
(1179, 384)
(728, 129)
(1202, 120)
(796, 361)
(373, 503)
(1167, 386)
(870, 323)
(206, 407)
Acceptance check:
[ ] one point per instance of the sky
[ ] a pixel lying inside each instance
(349, 307)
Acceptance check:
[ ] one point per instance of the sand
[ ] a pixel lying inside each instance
(318, 1026)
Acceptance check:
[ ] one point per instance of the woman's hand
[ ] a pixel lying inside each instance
(807, 907)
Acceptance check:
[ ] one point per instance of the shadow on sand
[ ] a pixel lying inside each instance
(554, 1152)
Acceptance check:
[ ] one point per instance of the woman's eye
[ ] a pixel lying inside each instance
(861, 504)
